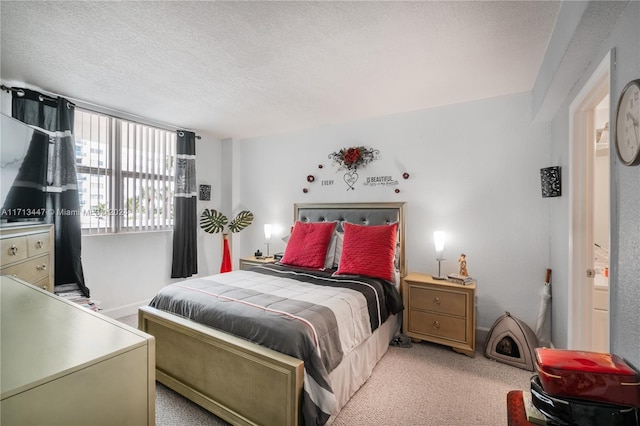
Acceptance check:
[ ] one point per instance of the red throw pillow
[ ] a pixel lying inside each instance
(307, 247)
(368, 250)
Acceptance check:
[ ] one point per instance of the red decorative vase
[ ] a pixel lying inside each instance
(226, 254)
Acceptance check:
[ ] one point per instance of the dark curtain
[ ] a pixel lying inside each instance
(53, 118)
(185, 249)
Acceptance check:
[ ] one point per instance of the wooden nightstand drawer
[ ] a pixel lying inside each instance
(438, 301)
(451, 328)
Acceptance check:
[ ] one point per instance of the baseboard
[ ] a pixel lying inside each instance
(481, 338)
(126, 310)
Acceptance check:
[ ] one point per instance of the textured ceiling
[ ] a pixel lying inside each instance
(245, 69)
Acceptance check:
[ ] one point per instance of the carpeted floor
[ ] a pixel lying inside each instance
(425, 385)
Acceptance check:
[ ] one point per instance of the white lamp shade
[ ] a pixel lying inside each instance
(267, 231)
(438, 240)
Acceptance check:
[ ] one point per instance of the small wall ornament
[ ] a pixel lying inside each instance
(550, 182)
(354, 157)
(351, 159)
(205, 192)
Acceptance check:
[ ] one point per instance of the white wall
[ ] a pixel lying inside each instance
(474, 172)
(125, 270)
(625, 284)
(625, 197)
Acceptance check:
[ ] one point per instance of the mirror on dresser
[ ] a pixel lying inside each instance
(23, 172)
(27, 241)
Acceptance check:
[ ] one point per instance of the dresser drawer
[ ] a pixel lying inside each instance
(28, 253)
(437, 300)
(38, 244)
(13, 249)
(44, 284)
(446, 327)
(31, 271)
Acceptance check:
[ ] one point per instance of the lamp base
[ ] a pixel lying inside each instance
(439, 277)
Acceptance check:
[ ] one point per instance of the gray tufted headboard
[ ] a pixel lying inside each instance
(357, 213)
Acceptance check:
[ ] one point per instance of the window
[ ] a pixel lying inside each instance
(125, 174)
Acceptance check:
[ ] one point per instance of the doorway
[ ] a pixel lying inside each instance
(601, 229)
(589, 207)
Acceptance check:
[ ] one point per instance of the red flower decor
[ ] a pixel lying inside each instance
(354, 157)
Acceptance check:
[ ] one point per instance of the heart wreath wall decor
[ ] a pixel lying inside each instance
(351, 159)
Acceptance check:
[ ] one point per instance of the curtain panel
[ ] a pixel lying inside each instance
(185, 248)
(52, 169)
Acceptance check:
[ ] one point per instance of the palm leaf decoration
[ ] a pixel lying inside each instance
(212, 221)
(241, 221)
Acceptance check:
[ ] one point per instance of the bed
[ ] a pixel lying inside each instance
(287, 343)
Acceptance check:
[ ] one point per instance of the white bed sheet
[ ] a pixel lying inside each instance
(356, 368)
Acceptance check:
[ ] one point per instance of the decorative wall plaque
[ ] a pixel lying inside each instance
(205, 193)
(550, 181)
(352, 159)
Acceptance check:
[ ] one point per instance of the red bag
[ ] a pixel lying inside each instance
(588, 375)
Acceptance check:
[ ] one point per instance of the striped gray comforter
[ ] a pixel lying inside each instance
(306, 314)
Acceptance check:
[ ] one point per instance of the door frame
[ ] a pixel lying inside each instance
(581, 161)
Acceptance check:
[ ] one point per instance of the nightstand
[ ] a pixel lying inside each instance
(440, 311)
(251, 261)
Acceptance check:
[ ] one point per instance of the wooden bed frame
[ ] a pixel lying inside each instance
(237, 380)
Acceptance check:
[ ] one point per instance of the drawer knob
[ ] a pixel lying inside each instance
(41, 267)
(13, 250)
(39, 244)
(436, 301)
(436, 325)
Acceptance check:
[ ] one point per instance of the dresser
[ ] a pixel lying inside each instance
(440, 311)
(63, 364)
(28, 253)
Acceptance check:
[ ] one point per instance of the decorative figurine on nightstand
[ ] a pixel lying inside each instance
(462, 261)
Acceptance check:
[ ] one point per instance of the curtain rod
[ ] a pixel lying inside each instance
(88, 105)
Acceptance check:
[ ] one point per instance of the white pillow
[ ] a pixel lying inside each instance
(338, 248)
(330, 260)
